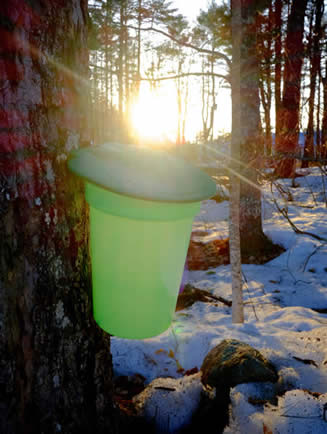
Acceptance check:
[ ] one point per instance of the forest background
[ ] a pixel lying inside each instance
(150, 45)
(71, 74)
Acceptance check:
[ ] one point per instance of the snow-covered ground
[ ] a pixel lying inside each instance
(280, 321)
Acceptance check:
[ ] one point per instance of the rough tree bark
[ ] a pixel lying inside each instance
(288, 115)
(55, 363)
(315, 57)
(264, 42)
(254, 243)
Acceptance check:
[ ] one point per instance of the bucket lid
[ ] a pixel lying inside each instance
(142, 172)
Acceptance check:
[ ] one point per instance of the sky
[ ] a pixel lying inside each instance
(155, 117)
(190, 8)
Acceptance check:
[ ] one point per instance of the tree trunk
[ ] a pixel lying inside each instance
(324, 116)
(234, 210)
(264, 47)
(205, 105)
(127, 74)
(56, 372)
(213, 100)
(139, 40)
(288, 115)
(121, 54)
(185, 110)
(318, 136)
(253, 240)
(179, 105)
(278, 65)
(315, 56)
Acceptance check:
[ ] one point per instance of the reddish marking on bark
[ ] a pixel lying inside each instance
(287, 143)
(30, 167)
(15, 141)
(8, 167)
(13, 118)
(26, 190)
(20, 14)
(10, 70)
(10, 142)
(31, 184)
(32, 189)
(10, 42)
(26, 168)
(16, 42)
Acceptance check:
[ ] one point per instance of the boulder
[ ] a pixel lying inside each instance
(168, 403)
(233, 362)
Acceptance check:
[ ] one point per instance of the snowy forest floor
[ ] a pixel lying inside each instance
(285, 304)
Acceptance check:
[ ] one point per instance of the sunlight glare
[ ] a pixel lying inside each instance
(154, 116)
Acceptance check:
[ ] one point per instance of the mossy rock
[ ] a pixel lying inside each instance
(233, 362)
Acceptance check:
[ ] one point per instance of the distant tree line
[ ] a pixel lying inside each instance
(135, 40)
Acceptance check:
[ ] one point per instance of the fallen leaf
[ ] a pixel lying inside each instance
(160, 351)
(171, 354)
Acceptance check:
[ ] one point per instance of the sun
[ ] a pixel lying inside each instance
(154, 115)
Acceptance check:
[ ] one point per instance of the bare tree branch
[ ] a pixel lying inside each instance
(187, 74)
(284, 212)
(172, 77)
(213, 53)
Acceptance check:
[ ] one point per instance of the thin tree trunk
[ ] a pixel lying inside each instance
(106, 55)
(269, 82)
(266, 104)
(324, 116)
(121, 63)
(56, 372)
(179, 105)
(288, 115)
(278, 66)
(185, 110)
(95, 109)
(318, 141)
(264, 50)
(315, 57)
(234, 217)
(204, 111)
(139, 40)
(213, 101)
(126, 67)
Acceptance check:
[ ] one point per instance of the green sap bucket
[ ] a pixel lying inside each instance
(138, 250)
(139, 239)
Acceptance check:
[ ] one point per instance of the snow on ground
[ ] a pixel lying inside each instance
(279, 320)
